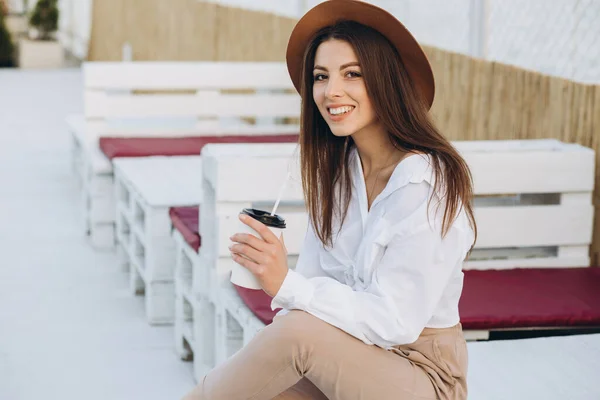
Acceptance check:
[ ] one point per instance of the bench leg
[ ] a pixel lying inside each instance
(76, 158)
(100, 210)
(136, 283)
(229, 337)
(102, 236)
(183, 316)
(160, 302)
(123, 258)
(204, 322)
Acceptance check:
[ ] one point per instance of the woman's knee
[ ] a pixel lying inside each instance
(285, 331)
(296, 323)
(300, 329)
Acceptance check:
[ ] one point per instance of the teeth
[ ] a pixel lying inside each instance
(340, 110)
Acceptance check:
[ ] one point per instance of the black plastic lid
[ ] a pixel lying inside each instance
(273, 221)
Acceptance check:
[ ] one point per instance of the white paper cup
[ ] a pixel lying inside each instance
(241, 276)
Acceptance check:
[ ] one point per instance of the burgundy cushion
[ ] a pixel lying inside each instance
(517, 298)
(185, 220)
(258, 302)
(178, 146)
(525, 298)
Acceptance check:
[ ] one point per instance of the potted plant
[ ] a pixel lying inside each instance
(44, 19)
(6, 45)
(41, 49)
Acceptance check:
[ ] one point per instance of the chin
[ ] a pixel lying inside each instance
(341, 131)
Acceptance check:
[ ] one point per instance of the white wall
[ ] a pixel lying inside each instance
(287, 8)
(75, 26)
(16, 6)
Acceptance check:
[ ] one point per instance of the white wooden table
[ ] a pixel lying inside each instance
(145, 189)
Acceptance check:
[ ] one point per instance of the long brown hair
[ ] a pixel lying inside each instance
(325, 158)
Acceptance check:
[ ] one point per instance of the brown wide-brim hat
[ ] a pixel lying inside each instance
(332, 11)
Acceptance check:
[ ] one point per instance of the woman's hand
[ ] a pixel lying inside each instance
(266, 258)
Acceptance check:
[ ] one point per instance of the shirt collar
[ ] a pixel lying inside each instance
(415, 168)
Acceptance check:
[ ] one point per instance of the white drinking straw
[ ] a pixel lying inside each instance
(287, 178)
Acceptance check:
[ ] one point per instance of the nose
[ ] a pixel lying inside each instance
(334, 88)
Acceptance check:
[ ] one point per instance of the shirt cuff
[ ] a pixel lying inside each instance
(295, 292)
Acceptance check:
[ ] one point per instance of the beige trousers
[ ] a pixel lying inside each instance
(299, 356)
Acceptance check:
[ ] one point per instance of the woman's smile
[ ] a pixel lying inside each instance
(339, 113)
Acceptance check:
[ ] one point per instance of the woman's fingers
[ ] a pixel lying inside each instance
(264, 256)
(250, 240)
(244, 262)
(260, 228)
(248, 252)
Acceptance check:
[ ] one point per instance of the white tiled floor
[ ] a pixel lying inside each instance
(550, 368)
(68, 327)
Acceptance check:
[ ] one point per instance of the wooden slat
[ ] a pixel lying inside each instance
(576, 198)
(570, 170)
(201, 105)
(550, 262)
(101, 105)
(260, 105)
(234, 170)
(580, 252)
(510, 146)
(533, 226)
(536, 171)
(185, 75)
(215, 127)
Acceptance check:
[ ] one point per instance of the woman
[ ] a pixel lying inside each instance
(371, 311)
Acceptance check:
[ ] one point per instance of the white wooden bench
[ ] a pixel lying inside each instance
(533, 208)
(231, 182)
(170, 99)
(201, 276)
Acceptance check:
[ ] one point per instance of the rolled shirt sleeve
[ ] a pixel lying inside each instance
(405, 289)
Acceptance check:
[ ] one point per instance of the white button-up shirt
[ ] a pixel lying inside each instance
(389, 273)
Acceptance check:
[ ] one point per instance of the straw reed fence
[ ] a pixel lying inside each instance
(475, 99)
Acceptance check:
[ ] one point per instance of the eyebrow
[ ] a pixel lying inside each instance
(350, 64)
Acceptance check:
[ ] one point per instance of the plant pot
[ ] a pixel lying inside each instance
(40, 54)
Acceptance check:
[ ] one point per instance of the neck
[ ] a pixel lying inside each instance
(375, 150)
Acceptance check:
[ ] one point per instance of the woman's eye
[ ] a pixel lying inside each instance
(319, 77)
(353, 74)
